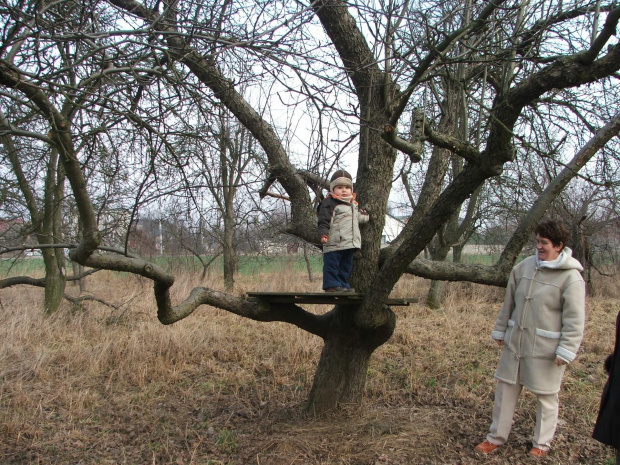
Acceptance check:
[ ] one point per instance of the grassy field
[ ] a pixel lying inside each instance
(114, 386)
(248, 264)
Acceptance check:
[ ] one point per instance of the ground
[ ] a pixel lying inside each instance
(232, 433)
(106, 385)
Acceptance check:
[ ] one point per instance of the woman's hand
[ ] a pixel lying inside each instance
(499, 342)
(559, 362)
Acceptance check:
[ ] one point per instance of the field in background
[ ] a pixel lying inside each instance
(249, 265)
(115, 386)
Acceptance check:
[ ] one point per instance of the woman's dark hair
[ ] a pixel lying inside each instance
(555, 232)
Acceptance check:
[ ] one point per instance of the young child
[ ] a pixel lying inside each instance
(339, 232)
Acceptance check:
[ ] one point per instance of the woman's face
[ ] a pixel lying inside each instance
(546, 250)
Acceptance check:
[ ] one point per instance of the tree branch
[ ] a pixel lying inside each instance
(497, 275)
(455, 145)
(19, 280)
(436, 52)
(259, 311)
(609, 30)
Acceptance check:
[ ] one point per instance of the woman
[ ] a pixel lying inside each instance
(607, 427)
(540, 327)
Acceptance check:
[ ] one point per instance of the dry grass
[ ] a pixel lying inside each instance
(115, 386)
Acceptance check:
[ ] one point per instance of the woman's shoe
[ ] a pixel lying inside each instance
(536, 452)
(486, 447)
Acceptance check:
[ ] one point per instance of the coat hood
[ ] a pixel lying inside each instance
(565, 261)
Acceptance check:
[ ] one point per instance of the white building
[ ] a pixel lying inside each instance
(392, 228)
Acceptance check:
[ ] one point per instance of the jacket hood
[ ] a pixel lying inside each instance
(565, 261)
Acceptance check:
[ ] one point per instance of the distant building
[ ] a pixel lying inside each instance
(393, 227)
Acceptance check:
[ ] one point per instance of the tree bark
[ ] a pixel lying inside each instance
(229, 249)
(55, 275)
(341, 373)
(308, 263)
(55, 283)
(439, 252)
(582, 252)
(434, 298)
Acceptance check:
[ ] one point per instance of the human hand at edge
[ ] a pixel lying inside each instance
(559, 362)
(499, 342)
(324, 239)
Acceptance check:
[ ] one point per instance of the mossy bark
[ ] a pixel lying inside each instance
(55, 281)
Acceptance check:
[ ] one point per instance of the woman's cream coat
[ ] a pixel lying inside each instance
(542, 317)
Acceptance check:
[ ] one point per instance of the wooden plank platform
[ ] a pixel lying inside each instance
(328, 298)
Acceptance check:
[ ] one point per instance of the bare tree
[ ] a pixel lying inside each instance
(377, 61)
(44, 212)
(223, 170)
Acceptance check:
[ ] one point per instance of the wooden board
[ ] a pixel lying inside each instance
(328, 298)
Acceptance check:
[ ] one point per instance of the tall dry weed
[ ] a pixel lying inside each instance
(77, 384)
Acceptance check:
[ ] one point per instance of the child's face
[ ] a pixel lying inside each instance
(343, 191)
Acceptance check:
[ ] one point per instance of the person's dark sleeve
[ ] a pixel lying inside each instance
(609, 361)
(325, 216)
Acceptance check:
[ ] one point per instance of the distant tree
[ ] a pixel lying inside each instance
(590, 211)
(223, 170)
(34, 165)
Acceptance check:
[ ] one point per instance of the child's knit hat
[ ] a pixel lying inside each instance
(340, 178)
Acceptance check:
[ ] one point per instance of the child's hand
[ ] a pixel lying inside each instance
(323, 239)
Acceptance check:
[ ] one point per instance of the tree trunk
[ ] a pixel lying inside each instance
(434, 297)
(78, 270)
(52, 232)
(438, 252)
(581, 252)
(55, 282)
(341, 373)
(308, 264)
(229, 250)
(457, 253)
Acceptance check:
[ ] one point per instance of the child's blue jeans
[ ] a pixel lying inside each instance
(337, 268)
